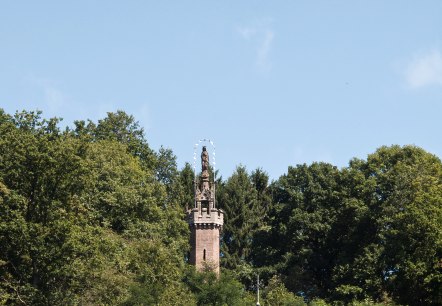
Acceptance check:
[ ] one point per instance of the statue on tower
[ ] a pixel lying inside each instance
(205, 185)
(204, 159)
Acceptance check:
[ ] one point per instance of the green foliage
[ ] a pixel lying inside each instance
(299, 237)
(239, 198)
(209, 290)
(400, 240)
(83, 215)
(93, 216)
(318, 302)
(368, 231)
(366, 302)
(276, 294)
(158, 273)
(122, 128)
(186, 183)
(166, 169)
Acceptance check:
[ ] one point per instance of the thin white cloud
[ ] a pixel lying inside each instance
(425, 70)
(246, 32)
(264, 49)
(262, 37)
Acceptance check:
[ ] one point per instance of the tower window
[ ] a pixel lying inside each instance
(204, 255)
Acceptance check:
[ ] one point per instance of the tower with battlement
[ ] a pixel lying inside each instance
(205, 221)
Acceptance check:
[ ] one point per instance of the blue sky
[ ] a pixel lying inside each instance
(273, 83)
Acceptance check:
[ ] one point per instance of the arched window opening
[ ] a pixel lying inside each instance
(204, 255)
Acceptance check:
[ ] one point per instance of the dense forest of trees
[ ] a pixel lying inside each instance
(91, 215)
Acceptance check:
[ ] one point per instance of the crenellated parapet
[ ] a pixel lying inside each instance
(202, 217)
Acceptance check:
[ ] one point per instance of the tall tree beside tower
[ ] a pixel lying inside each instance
(243, 197)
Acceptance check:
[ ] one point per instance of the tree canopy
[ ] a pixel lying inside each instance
(93, 215)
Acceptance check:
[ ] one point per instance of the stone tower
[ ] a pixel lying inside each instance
(205, 222)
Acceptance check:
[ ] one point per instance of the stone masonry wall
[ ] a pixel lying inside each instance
(205, 237)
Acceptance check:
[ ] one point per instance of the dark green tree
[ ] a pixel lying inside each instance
(186, 181)
(239, 198)
(406, 222)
